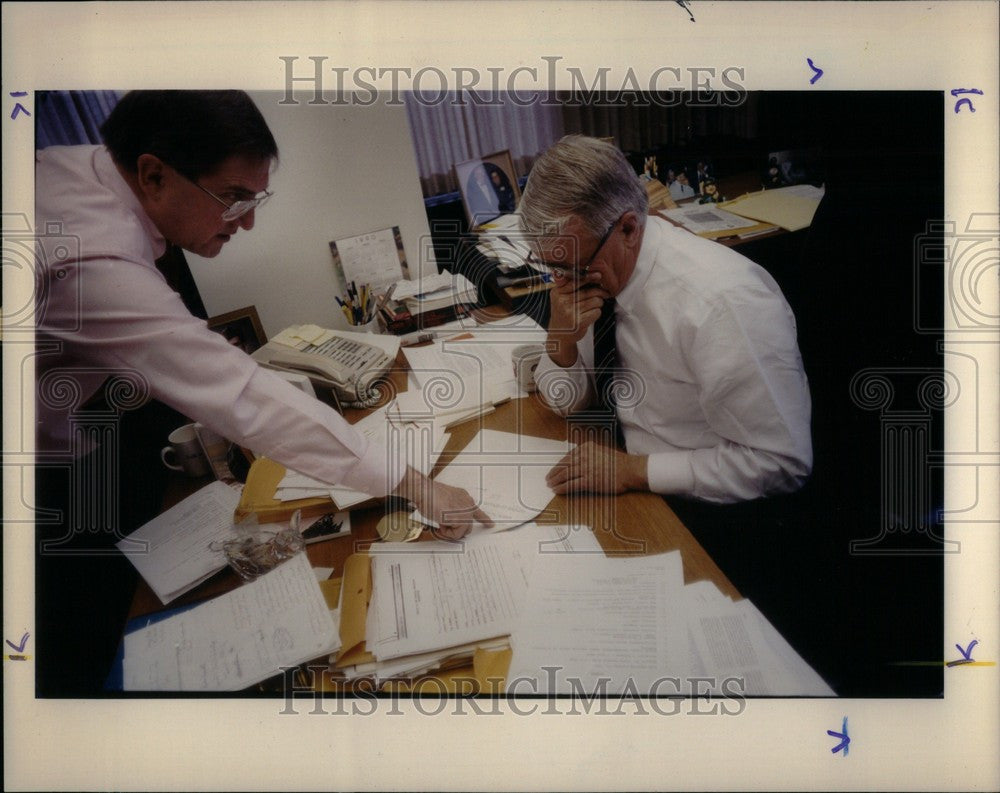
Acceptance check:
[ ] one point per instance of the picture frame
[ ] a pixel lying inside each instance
(488, 186)
(241, 328)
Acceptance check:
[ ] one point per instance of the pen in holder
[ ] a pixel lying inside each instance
(360, 307)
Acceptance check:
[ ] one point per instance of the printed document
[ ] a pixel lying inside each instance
(279, 620)
(174, 551)
(600, 625)
(735, 641)
(434, 595)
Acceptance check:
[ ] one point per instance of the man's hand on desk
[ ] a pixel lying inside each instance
(575, 306)
(594, 468)
(450, 507)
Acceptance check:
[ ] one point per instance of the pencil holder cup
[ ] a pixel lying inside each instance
(525, 360)
(369, 327)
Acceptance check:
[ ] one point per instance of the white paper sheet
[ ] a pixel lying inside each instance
(429, 600)
(421, 445)
(734, 641)
(238, 639)
(598, 624)
(172, 551)
(453, 361)
(435, 595)
(706, 217)
(505, 474)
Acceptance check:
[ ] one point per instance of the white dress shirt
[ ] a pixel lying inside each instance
(108, 310)
(719, 402)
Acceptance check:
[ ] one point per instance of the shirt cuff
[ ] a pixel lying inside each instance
(670, 472)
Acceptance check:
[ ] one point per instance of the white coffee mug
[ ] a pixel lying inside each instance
(525, 359)
(186, 452)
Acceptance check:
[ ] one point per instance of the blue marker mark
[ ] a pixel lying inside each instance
(966, 100)
(18, 108)
(815, 68)
(19, 647)
(845, 741)
(966, 654)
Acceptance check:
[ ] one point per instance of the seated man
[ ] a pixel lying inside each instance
(712, 399)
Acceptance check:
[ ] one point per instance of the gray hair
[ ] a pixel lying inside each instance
(580, 177)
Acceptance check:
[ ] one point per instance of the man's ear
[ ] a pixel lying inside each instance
(150, 174)
(631, 229)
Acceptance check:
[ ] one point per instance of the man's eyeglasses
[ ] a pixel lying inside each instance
(562, 271)
(236, 209)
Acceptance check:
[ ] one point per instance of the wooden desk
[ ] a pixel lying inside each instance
(630, 524)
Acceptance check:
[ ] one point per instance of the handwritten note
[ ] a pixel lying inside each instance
(238, 639)
(172, 552)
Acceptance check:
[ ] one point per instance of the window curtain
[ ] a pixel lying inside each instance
(70, 118)
(641, 127)
(445, 133)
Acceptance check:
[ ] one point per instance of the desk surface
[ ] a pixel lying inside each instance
(629, 524)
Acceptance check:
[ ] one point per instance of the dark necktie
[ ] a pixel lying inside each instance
(606, 364)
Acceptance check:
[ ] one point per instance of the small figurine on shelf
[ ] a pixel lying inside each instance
(702, 174)
(649, 169)
(772, 176)
(710, 192)
(681, 187)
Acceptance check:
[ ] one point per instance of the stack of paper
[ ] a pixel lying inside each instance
(708, 220)
(608, 626)
(733, 640)
(279, 620)
(435, 291)
(480, 360)
(503, 240)
(432, 605)
(180, 548)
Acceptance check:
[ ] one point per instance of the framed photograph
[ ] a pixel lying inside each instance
(489, 187)
(241, 328)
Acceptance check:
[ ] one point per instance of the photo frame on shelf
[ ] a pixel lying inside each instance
(241, 328)
(489, 187)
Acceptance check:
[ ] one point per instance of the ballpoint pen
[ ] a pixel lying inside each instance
(385, 298)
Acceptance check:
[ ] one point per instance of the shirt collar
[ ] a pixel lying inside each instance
(643, 265)
(110, 177)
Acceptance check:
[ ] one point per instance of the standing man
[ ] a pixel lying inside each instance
(691, 346)
(189, 169)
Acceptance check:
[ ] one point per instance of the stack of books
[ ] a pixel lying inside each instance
(427, 302)
(398, 318)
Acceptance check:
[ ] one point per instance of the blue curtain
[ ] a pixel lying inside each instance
(69, 118)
